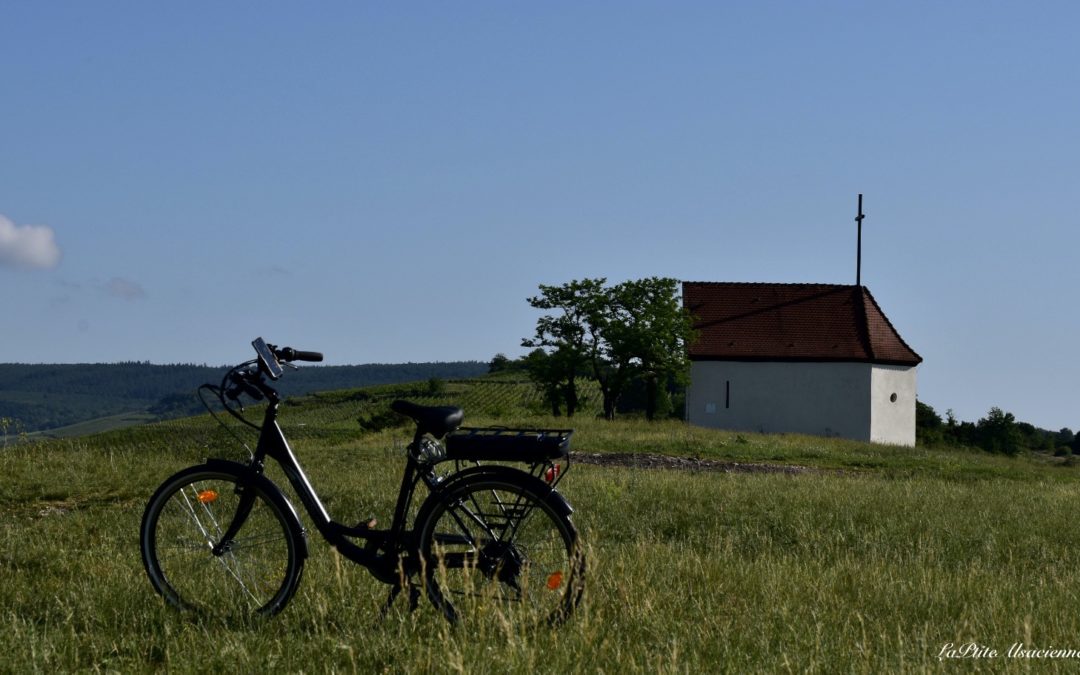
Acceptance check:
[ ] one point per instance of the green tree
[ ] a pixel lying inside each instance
(633, 330)
(436, 386)
(499, 363)
(1064, 437)
(643, 331)
(547, 374)
(566, 336)
(999, 432)
(928, 424)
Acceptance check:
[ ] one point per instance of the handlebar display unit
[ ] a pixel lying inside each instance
(268, 361)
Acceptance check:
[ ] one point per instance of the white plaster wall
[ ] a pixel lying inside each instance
(852, 400)
(823, 399)
(893, 421)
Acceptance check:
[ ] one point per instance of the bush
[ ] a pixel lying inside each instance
(436, 387)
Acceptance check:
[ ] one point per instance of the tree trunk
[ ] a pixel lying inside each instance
(570, 394)
(611, 387)
(650, 398)
(551, 395)
(609, 405)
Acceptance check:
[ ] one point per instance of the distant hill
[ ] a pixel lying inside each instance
(44, 396)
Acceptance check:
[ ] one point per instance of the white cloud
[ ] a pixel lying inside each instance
(27, 246)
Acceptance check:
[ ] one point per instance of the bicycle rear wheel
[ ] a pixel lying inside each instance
(501, 546)
(189, 564)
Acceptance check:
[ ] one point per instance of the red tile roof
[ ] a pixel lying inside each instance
(792, 322)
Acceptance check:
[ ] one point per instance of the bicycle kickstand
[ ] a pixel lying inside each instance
(395, 591)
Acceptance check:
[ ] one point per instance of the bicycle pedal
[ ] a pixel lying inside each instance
(366, 524)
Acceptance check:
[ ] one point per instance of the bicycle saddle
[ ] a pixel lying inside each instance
(435, 420)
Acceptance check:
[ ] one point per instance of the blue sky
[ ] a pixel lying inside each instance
(389, 182)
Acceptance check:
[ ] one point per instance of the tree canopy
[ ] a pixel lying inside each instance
(998, 432)
(634, 331)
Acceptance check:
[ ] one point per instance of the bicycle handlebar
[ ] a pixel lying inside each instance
(250, 378)
(290, 354)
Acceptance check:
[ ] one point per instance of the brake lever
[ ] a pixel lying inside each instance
(240, 384)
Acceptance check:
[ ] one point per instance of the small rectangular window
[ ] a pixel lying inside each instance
(727, 394)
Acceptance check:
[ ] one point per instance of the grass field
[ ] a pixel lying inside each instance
(96, 426)
(875, 560)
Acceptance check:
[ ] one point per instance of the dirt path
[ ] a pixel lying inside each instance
(651, 461)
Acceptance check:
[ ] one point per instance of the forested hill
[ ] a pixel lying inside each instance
(38, 397)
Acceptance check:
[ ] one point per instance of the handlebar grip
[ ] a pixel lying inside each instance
(290, 354)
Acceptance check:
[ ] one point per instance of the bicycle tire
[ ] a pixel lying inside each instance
(260, 569)
(500, 546)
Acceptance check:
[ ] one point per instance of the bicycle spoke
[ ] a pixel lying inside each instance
(233, 567)
(191, 511)
(194, 568)
(499, 547)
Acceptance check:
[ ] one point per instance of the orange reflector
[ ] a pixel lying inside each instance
(554, 581)
(207, 496)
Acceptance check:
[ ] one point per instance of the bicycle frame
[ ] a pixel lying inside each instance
(384, 547)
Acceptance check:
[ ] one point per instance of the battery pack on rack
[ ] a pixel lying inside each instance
(508, 445)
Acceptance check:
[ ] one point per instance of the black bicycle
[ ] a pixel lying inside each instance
(488, 539)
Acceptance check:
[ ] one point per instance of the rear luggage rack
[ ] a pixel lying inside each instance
(541, 449)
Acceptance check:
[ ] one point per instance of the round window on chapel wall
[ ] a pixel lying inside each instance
(893, 397)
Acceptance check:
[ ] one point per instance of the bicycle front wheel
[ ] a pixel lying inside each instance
(191, 564)
(501, 547)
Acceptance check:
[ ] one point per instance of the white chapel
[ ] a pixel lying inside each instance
(816, 359)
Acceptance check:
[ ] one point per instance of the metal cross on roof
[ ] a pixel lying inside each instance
(858, 254)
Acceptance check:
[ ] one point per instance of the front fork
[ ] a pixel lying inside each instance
(247, 494)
